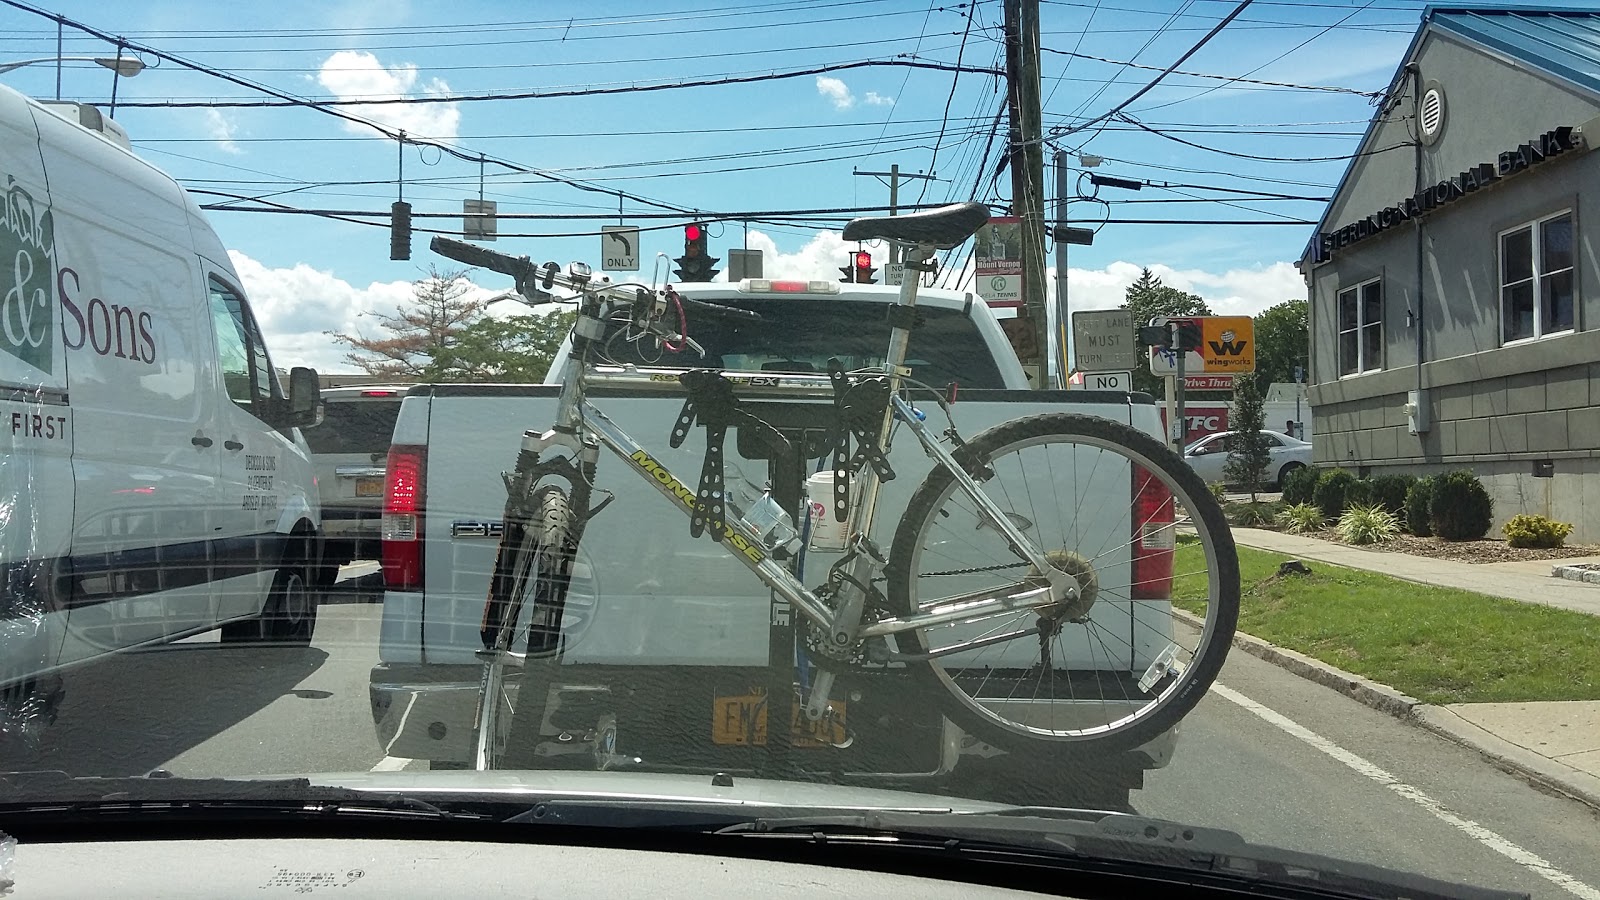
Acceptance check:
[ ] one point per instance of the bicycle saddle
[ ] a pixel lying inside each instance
(944, 228)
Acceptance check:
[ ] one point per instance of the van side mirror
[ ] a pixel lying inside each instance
(305, 397)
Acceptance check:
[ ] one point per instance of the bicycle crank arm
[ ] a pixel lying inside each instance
(971, 607)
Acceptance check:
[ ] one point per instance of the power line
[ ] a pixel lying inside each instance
(1229, 78)
(549, 94)
(1295, 48)
(326, 109)
(945, 119)
(1275, 159)
(1243, 5)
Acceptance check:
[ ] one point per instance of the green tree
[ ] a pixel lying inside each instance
(1148, 298)
(1249, 455)
(420, 333)
(515, 349)
(1283, 341)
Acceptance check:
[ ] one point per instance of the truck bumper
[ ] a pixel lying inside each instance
(428, 712)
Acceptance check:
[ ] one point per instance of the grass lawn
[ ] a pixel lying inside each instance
(1439, 645)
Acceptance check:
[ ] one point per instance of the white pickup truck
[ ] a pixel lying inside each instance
(646, 594)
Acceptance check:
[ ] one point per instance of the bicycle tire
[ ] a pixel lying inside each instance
(965, 690)
(534, 559)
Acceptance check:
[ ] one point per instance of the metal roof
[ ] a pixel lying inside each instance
(1562, 41)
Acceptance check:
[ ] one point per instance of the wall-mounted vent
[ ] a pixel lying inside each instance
(1430, 114)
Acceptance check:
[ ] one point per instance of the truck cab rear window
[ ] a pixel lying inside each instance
(797, 335)
(360, 426)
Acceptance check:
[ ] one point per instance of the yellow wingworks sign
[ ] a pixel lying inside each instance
(1226, 345)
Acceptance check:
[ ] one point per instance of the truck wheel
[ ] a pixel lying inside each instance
(1131, 523)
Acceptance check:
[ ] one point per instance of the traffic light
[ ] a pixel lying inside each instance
(864, 269)
(860, 270)
(400, 230)
(696, 262)
(1161, 335)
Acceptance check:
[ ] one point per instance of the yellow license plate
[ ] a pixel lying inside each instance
(369, 487)
(741, 721)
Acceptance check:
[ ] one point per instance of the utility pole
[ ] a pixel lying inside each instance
(894, 175)
(1027, 168)
(1062, 318)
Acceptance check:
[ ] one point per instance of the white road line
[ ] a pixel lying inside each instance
(1525, 858)
(392, 764)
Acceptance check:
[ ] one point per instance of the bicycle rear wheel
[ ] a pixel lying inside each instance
(524, 615)
(1151, 552)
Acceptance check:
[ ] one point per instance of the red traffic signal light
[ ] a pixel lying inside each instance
(696, 262)
(863, 259)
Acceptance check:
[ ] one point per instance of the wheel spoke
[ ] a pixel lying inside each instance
(1079, 682)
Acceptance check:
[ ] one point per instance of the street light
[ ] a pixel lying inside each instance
(125, 66)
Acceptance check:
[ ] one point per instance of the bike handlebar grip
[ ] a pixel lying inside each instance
(517, 267)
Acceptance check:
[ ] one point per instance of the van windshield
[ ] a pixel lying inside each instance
(800, 335)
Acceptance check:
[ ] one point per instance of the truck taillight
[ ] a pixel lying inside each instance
(402, 517)
(1154, 537)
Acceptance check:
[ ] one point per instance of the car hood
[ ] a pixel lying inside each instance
(649, 786)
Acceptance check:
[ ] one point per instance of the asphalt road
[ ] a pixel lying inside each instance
(1275, 758)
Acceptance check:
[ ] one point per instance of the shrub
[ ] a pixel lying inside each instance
(1389, 492)
(1536, 531)
(1418, 516)
(1330, 491)
(1253, 515)
(1460, 509)
(1217, 489)
(1299, 485)
(1300, 518)
(1359, 493)
(1367, 525)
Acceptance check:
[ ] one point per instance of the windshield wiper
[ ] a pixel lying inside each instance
(56, 794)
(1117, 838)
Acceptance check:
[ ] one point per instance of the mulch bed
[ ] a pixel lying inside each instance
(1482, 551)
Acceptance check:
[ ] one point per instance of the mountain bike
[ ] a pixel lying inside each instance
(1058, 580)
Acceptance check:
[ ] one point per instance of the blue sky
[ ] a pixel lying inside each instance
(774, 145)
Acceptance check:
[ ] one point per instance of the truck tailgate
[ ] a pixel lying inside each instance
(645, 592)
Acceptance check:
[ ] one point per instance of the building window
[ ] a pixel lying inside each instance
(1538, 295)
(1361, 328)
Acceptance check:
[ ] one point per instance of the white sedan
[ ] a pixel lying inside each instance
(1209, 455)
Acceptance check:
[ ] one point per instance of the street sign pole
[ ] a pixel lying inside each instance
(1176, 390)
(1172, 412)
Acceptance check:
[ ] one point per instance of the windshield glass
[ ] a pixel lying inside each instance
(354, 426)
(1218, 441)
(802, 335)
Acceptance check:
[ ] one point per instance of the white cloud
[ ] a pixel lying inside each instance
(873, 98)
(221, 129)
(354, 74)
(1235, 292)
(837, 92)
(295, 306)
(820, 258)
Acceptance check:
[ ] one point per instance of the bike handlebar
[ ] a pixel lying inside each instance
(518, 267)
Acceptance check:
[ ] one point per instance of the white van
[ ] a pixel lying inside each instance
(153, 480)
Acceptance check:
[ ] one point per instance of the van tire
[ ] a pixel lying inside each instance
(290, 615)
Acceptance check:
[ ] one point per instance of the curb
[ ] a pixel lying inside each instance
(1573, 573)
(1542, 772)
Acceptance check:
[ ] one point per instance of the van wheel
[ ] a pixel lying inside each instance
(291, 611)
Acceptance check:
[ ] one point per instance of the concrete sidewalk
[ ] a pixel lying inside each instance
(1554, 744)
(1529, 582)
